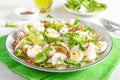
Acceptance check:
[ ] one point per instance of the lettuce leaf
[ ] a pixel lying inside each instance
(90, 5)
(71, 63)
(43, 56)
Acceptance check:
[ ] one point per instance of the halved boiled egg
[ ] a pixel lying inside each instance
(52, 33)
(33, 51)
(64, 30)
(76, 54)
(102, 45)
(39, 26)
(90, 53)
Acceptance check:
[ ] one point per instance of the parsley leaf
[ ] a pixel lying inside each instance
(49, 16)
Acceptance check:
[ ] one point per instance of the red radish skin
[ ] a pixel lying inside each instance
(87, 46)
(23, 51)
(15, 46)
(19, 32)
(45, 26)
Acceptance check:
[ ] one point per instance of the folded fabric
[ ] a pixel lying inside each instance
(100, 71)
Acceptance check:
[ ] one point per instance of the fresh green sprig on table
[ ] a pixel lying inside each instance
(49, 16)
(11, 24)
(90, 5)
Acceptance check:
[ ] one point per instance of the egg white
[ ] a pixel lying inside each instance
(102, 46)
(64, 30)
(76, 54)
(52, 33)
(39, 26)
(90, 53)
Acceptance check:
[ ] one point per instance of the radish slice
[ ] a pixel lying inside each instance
(87, 45)
(55, 57)
(49, 60)
(61, 49)
(19, 34)
(16, 45)
(23, 49)
(90, 53)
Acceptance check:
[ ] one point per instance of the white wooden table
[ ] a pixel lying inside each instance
(7, 8)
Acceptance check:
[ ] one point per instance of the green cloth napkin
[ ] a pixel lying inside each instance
(100, 71)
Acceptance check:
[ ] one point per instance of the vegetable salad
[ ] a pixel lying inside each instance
(58, 44)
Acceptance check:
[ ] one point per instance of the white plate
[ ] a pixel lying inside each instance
(80, 12)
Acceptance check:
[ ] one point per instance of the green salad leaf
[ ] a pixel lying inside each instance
(94, 6)
(11, 24)
(81, 47)
(90, 5)
(71, 39)
(46, 65)
(42, 56)
(72, 63)
(18, 53)
(74, 4)
(49, 16)
(76, 23)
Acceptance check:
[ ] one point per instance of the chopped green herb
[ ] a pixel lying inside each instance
(89, 5)
(60, 59)
(81, 47)
(72, 63)
(43, 56)
(18, 53)
(11, 24)
(49, 16)
(30, 26)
